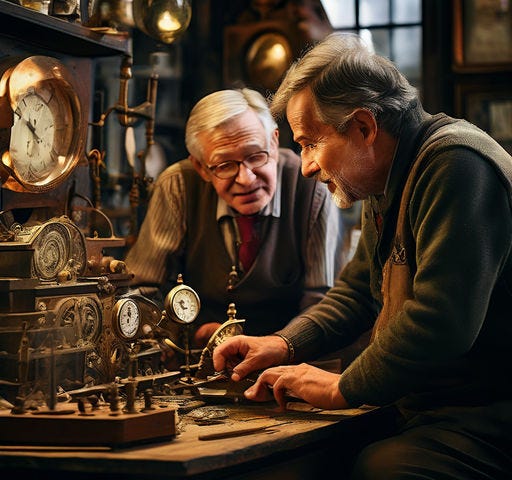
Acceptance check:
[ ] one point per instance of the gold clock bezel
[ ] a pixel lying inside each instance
(169, 303)
(48, 78)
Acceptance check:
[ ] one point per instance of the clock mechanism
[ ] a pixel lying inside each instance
(53, 303)
(70, 327)
(63, 318)
(69, 321)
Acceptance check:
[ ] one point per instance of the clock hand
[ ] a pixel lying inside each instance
(31, 127)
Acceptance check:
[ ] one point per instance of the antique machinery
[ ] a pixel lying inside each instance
(181, 308)
(63, 323)
(68, 327)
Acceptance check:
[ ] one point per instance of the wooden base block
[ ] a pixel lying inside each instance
(99, 428)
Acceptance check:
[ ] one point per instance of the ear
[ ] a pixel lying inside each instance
(274, 140)
(203, 172)
(365, 122)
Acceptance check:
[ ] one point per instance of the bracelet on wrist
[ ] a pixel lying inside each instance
(289, 344)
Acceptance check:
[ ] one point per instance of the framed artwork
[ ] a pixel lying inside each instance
(482, 34)
(489, 108)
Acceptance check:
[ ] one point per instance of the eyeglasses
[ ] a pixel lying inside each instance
(230, 168)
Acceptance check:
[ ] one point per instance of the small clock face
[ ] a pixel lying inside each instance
(183, 304)
(127, 318)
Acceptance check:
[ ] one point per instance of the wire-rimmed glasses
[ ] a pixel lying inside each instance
(230, 168)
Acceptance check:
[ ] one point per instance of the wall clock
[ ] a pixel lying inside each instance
(42, 124)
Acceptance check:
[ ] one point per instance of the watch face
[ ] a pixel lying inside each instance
(127, 317)
(184, 304)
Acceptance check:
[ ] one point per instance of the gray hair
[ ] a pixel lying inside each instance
(220, 107)
(344, 74)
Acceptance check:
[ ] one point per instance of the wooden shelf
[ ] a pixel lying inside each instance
(53, 33)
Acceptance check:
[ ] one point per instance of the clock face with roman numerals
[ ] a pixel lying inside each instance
(47, 133)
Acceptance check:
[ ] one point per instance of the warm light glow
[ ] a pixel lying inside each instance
(4, 82)
(277, 52)
(167, 23)
(164, 20)
(6, 159)
(267, 59)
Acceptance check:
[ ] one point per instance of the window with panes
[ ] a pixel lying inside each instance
(392, 27)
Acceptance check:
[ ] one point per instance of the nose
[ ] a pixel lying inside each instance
(309, 168)
(245, 175)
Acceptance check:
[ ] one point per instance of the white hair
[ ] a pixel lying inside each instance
(220, 107)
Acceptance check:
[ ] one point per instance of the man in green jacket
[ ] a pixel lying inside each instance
(431, 278)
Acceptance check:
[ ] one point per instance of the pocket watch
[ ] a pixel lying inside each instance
(182, 303)
(126, 318)
(42, 124)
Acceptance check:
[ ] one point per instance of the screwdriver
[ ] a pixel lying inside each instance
(237, 432)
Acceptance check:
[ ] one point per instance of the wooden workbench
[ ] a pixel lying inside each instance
(299, 448)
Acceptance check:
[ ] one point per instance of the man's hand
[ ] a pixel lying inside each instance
(242, 354)
(311, 384)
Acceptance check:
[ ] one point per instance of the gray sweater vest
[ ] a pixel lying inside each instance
(268, 295)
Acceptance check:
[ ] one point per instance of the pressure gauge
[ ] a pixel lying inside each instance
(126, 318)
(182, 304)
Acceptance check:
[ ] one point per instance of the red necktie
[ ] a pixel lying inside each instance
(249, 241)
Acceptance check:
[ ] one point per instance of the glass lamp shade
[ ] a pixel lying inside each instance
(164, 20)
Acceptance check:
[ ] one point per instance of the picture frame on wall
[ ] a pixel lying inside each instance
(482, 34)
(489, 108)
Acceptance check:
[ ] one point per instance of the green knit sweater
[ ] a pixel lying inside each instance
(448, 343)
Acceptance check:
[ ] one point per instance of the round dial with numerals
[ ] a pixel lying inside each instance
(182, 304)
(32, 139)
(45, 122)
(126, 317)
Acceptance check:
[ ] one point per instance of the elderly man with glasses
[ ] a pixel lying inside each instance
(239, 221)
